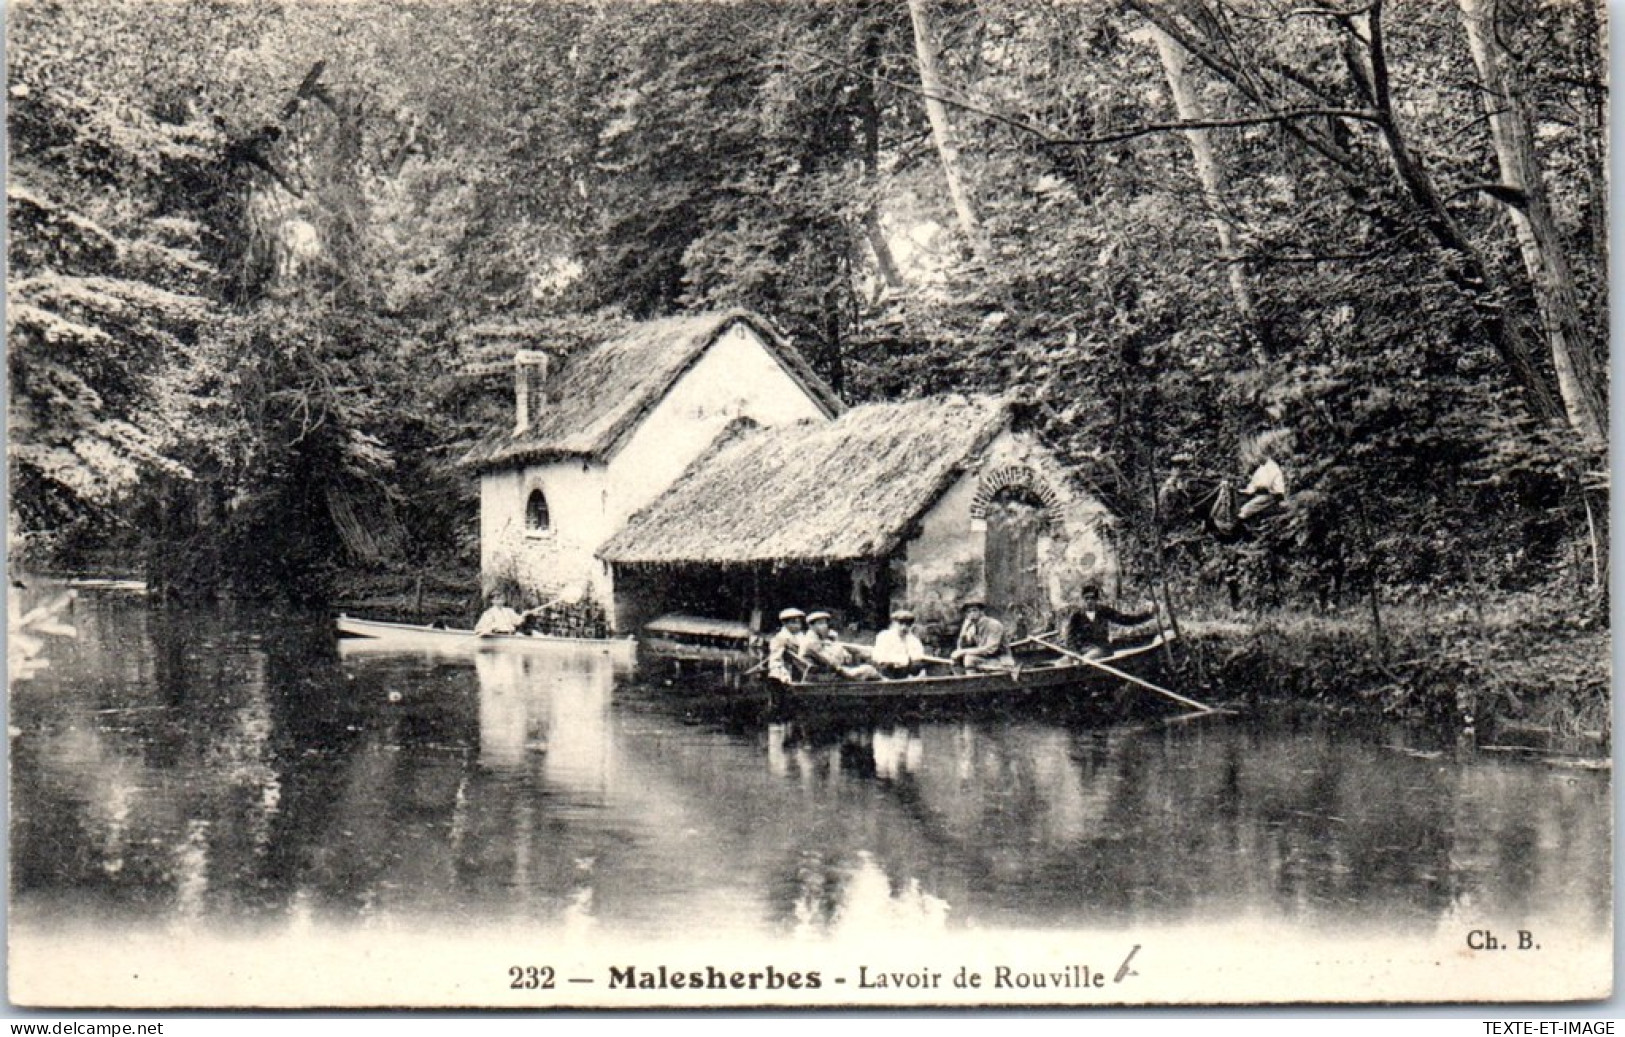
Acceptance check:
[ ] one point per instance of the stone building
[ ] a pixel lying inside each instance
(602, 432)
(697, 465)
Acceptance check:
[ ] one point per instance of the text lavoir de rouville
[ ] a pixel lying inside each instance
(769, 978)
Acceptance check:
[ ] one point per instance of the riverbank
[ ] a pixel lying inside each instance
(1518, 673)
(433, 594)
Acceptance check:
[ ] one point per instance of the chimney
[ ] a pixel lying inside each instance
(530, 369)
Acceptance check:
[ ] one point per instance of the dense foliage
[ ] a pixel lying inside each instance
(252, 246)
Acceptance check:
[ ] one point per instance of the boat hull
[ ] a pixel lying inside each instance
(1066, 681)
(372, 635)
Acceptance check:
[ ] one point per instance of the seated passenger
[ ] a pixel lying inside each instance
(982, 644)
(898, 652)
(783, 649)
(826, 657)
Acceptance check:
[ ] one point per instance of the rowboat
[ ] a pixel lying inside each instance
(1066, 680)
(374, 635)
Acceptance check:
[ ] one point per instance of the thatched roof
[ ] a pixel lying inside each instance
(601, 394)
(813, 492)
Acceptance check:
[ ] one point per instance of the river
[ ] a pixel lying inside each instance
(233, 773)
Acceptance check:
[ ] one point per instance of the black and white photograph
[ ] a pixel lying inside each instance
(692, 504)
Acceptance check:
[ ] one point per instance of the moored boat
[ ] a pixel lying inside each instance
(374, 635)
(686, 638)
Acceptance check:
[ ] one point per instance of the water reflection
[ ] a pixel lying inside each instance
(230, 769)
(526, 697)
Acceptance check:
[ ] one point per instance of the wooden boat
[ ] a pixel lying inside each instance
(374, 635)
(701, 639)
(1049, 681)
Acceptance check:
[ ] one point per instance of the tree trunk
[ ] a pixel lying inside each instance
(1465, 268)
(1472, 276)
(1589, 50)
(868, 105)
(1596, 507)
(1577, 359)
(1175, 62)
(1581, 374)
(874, 235)
(942, 131)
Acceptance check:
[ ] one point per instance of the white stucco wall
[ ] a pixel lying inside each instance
(737, 377)
(560, 558)
(946, 561)
(590, 502)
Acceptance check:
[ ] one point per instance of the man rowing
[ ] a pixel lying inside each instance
(1087, 629)
(499, 618)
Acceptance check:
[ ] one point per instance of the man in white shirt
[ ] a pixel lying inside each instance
(1265, 491)
(499, 618)
(898, 652)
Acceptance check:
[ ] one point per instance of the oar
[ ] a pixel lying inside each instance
(1031, 638)
(1115, 672)
(936, 659)
(870, 650)
(572, 595)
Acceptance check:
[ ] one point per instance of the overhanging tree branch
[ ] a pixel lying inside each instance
(1003, 118)
(1263, 119)
(1466, 270)
(1328, 12)
(1233, 71)
(1058, 139)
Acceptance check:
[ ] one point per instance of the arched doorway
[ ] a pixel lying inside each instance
(1016, 517)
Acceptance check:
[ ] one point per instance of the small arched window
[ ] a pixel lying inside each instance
(537, 518)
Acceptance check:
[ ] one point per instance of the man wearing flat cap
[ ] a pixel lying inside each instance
(785, 644)
(826, 657)
(982, 644)
(898, 652)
